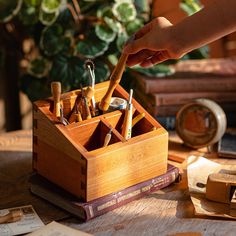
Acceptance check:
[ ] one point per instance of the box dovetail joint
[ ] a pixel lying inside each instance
(73, 156)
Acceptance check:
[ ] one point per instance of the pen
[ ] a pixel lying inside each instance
(127, 125)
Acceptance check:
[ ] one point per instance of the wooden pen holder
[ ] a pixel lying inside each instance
(73, 156)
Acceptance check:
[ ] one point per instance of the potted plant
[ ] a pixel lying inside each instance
(57, 36)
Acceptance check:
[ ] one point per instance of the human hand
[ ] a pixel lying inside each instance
(151, 44)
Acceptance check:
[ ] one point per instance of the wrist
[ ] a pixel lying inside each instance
(175, 45)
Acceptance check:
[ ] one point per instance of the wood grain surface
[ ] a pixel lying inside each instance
(165, 212)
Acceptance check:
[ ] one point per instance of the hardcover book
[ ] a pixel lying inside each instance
(88, 210)
(168, 104)
(208, 75)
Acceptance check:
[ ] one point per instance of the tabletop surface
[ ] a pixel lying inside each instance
(164, 212)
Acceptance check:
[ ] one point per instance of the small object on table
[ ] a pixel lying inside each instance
(11, 217)
(220, 187)
(114, 81)
(127, 125)
(200, 123)
(56, 93)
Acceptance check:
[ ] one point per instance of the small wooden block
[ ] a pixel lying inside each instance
(219, 187)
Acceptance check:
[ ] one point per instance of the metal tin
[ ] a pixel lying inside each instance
(201, 123)
(117, 104)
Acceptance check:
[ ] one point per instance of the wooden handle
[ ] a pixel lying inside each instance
(89, 93)
(56, 93)
(85, 109)
(127, 125)
(114, 81)
(12, 216)
(75, 117)
(107, 138)
(137, 118)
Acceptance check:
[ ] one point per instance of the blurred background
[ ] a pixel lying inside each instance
(47, 40)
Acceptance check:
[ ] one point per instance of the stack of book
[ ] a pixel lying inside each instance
(214, 79)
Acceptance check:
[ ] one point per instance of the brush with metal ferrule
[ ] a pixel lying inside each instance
(114, 81)
(127, 125)
(90, 67)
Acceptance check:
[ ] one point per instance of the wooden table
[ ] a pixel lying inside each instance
(164, 212)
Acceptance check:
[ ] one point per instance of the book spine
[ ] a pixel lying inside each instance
(106, 204)
(183, 98)
(178, 85)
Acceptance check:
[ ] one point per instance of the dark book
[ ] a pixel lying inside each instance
(227, 145)
(168, 104)
(88, 210)
(208, 75)
(164, 99)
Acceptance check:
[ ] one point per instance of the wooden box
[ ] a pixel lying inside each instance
(74, 158)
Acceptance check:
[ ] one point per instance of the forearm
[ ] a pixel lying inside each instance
(213, 22)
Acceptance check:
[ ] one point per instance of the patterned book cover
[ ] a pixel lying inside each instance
(88, 210)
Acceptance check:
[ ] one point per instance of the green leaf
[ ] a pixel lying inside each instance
(33, 3)
(124, 10)
(104, 11)
(52, 40)
(39, 67)
(190, 6)
(92, 46)
(200, 53)
(48, 18)
(50, 6)
(29, 15)
(69, 70)
(142, 6)
(105, 33)
(121, 40)
(114, 25)
(34, 88)
(102, 71)
(9, 9)
(133, 26)
(159, 70)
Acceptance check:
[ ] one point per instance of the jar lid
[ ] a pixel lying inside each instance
(201, 123)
